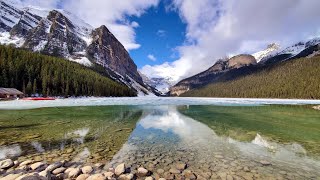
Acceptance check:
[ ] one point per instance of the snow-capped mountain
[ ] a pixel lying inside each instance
(228, 69)
(300, 49)
(163, 85)
(60, 33)
(272, 48)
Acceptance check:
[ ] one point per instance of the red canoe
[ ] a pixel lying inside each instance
(39, 99)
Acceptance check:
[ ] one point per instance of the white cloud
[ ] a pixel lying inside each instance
(134, 24)
(111, 13)
(152, 57)
(161, 33)
(216, 28)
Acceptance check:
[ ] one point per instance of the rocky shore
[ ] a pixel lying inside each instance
(32, 170)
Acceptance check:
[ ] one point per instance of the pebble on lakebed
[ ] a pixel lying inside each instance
(32, 170)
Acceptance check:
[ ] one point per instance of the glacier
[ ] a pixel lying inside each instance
(152, 101)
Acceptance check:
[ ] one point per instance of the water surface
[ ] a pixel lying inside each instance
(265, 141)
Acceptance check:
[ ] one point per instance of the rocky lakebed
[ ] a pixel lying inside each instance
(160, 142)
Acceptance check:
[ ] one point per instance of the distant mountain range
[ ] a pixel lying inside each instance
(162, 85)
(241, 65)
(62, 34)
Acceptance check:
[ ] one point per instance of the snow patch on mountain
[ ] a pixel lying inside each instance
(9, 15)
(82, 60)
(6, 39)
(272, 48)
(37, 10)
(82, 28)
(40, 46)
(142, 91)
(294, 50)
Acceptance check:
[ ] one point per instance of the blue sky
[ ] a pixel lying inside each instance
(160, 31)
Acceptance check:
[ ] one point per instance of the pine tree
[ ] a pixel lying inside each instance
(29, 88)
(35, 73)
(34, 89)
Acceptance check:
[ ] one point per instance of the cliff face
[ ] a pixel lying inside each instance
(59, 33)
(212, 74)
(109, 52)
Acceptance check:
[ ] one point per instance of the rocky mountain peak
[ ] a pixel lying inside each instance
(109, 52)
(58, 19)
(60, 33)
(214, 72)
(273, 46)
(241, 60)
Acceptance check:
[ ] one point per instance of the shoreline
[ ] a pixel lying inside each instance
(40, 170)
(144, 101)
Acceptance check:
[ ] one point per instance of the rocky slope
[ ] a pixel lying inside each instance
(59, 33)
(229, 69)
(212, 74)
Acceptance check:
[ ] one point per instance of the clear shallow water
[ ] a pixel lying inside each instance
(212, 140)
(164, 137)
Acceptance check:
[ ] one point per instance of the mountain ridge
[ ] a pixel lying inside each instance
(62, 34)
(272, 55)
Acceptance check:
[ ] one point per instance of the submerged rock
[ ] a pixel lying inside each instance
(58, 170)
(142, 172)
(54, 166)
(109, 175)
(181, 166)
(83, 177)
(73, 172)
(6, 164)
(87, 170)
(120, 169)
(97, 177)
(38, 166)
(265, 163)
(174, 171)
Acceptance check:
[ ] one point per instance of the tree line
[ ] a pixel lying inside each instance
(298, 78)
(34, 73)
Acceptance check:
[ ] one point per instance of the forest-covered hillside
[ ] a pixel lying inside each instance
(50, 76)
(298, 78)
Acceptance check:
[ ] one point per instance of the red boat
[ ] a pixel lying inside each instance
(39, 99)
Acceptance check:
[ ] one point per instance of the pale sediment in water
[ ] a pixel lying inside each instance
(316, 107)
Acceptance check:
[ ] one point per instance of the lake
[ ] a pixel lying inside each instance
(214, 138)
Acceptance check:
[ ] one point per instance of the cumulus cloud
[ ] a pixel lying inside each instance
(111, 13)
(216, 28)
(152, 57)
